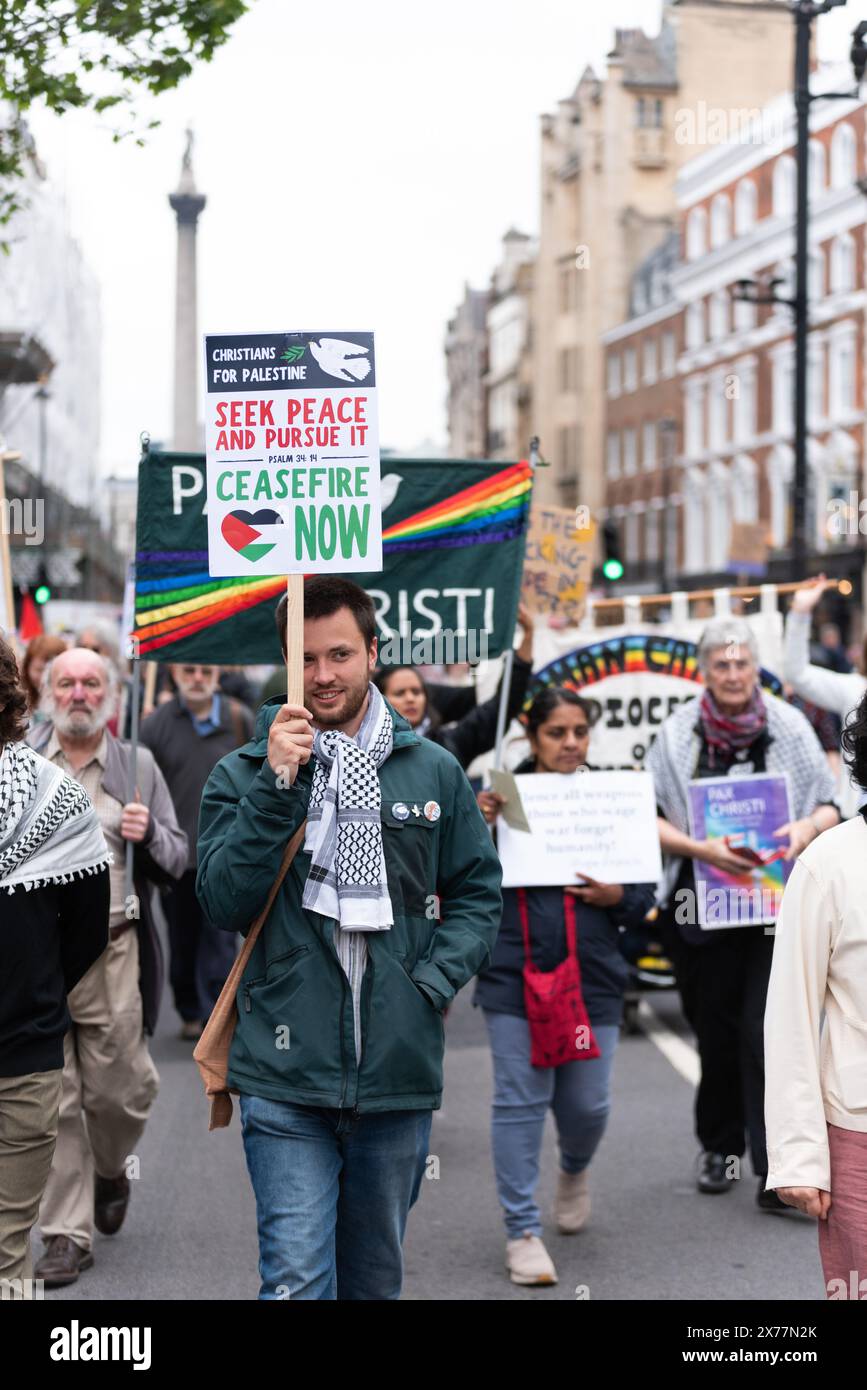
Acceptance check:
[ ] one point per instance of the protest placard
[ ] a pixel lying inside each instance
(292, 447)
(745, 811)
(598, 823)
(558, 563)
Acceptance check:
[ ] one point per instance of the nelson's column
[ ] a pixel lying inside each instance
(187, 203)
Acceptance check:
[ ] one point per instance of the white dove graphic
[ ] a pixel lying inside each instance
(388, 489)
(346, 361)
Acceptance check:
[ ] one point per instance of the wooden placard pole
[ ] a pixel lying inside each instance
(651, 600)
(295, 639)
(7, 602)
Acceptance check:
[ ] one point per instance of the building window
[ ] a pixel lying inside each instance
(695, 557)
(695, 323)
(745, 207)
(651, 535)
(614, 374)
(720, 220)
(630, 369)
(570, 370)
(785, 181)
(613, 454)
(841, 371)
(815, 275)
(842, 265)
(843, 156)
(648, 445)
(639, 296)
(745, 315)
(815, 380)
(783, 392)
(669, 354)
(718, 502)
(817, 171)
(630, 459)
(745, 493)
(719, 315)
(745, 402)
(631, 538)
(648, 112)
(648, 361)
(717, 411)
(568, 279)
(694, 421)
(696, 234)
(780, 468)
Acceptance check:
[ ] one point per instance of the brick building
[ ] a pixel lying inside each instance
(736, 365)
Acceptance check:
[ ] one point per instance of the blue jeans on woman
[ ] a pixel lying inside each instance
(333, 1191)
(579, 1093)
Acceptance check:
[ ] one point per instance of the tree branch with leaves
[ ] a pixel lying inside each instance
(73, 55)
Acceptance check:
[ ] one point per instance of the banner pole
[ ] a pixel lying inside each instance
(504, 701)
(510, 654)
(295, 639)
(7, 602)
(132, 774)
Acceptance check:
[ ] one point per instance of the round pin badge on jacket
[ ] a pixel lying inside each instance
(432, 810)
(400, 811)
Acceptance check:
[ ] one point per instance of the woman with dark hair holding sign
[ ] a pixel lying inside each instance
(570, 936)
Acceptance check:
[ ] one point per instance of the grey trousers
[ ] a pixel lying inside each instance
(29, 1108)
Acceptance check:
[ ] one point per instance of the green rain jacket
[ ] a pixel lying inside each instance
(294, 1037)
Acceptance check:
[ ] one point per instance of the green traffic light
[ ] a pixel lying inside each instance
(42, 593)
(612, 569)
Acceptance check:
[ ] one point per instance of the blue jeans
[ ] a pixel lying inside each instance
(579, 1093)
(333, 1191)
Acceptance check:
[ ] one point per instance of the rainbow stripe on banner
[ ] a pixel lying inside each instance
(486, 513)
(185, 600)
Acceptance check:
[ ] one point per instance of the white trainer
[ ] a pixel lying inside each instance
(528, 1262)
(572, 1202)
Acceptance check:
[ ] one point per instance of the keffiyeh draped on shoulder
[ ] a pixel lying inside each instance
(49, 831)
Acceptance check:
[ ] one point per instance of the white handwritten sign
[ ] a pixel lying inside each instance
(598, 823)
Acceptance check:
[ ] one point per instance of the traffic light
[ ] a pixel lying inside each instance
(612, 565)
(42, 591)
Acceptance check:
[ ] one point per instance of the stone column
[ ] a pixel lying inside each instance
(186, 203)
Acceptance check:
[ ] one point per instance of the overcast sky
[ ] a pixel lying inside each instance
(361, 161)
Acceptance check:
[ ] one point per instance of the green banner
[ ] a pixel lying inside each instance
(453, 546)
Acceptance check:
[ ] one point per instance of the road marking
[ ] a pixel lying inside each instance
(680, 1054)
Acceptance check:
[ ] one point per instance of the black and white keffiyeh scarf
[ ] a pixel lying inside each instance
(347, 879)
(49, 831)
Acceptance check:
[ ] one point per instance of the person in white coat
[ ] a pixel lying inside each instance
(837, 691)
(815, 1070)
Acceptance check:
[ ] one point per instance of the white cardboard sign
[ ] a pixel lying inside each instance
(292, 445)
(602, 824)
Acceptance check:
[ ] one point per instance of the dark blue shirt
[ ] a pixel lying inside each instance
(604, 970)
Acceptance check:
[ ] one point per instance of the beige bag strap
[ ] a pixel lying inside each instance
(211, 1053)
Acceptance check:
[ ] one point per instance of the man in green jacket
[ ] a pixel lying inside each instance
(390, 907)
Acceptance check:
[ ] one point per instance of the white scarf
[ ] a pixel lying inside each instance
(347, 879)
(49, 831)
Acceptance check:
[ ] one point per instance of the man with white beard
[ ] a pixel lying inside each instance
(109, 1079)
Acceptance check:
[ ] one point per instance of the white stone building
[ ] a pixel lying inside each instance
(49, 294)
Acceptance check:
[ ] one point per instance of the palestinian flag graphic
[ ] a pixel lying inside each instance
(251, 533)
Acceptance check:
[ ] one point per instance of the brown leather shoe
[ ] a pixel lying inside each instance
(61, 1262)
(110, 1201)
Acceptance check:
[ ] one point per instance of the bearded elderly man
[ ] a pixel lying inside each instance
(392, 905)
(109, 1079)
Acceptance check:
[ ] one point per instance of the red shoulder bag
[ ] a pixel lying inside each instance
(560, 1030)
